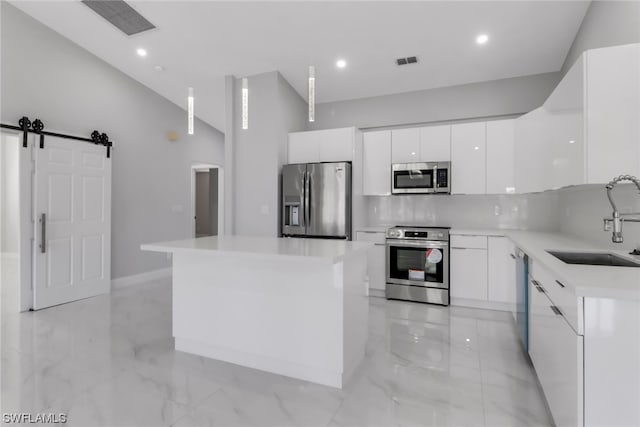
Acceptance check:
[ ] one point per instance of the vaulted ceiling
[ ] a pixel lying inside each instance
(198, 43)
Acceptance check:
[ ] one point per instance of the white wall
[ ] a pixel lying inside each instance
(606, 23)
(46, 76)
(486, 99)
(582, 210)
(9, 192)
(537, 212)
(275, 109)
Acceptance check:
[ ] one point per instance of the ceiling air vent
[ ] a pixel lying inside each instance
(120, 15)
(408, 60)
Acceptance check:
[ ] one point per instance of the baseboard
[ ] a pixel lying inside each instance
(487, 305)
(377, 293)
(136, 279)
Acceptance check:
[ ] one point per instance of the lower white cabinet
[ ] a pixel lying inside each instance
(501, 270)
(556, 351)
(376, 261)
(468, 278)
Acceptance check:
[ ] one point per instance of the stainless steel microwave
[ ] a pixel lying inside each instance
(421, 178)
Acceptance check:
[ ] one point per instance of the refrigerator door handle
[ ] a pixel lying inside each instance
(307, 201)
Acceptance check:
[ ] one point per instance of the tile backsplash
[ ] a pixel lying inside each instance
(528, 212)
(582, 210)
(575, 211)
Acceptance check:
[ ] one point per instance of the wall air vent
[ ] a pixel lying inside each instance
(408, 60)
(120, 15)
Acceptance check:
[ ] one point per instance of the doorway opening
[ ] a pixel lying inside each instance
(207, 200)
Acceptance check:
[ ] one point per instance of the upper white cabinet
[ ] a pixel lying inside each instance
(501, 142)
(405, 145)
(376, 173)
(435, 144)
(331, 145)
(612, 112)
(468, 158)
(426, 144)
(304, 147)
(587, 131)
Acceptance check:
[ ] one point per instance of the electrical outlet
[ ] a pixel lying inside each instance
(497, 210)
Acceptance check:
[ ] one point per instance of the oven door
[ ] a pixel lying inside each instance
(414, 178)
(418, 263)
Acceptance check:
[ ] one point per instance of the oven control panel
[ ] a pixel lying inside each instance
(418, 234)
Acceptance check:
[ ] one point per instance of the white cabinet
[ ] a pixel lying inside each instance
(468, 273)
(435, 144)
(376, 173)
(405, 145)
(304, 147)
(557, 352)
(376, 262)
(468, 158)
(501, 140)
(331, 145)
(587, 130)
(501, 270)
(532, 173)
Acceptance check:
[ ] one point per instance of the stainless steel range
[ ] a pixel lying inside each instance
(418, 264)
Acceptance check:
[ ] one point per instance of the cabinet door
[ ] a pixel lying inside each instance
(336, 145)
(405, 145)
(376, 161)
(468, 273)
(533, 154)
(376, 273)
(468, 158)
(435, 144)
(304, 147)
(612, 111)
(557, 355)
(502, 270)
(501, 157)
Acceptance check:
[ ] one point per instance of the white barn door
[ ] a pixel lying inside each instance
(72, 217)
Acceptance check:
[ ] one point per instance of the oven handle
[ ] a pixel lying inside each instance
(414, 244)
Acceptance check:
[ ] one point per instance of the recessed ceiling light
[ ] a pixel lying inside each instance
(482, 39)
(141, 52)
(572, 141)
(341, 63)
(476, 148)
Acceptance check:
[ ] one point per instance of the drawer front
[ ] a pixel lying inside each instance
(469, 242)
(370, 236)
(562, 297)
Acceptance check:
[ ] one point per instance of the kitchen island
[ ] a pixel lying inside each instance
(295, 307)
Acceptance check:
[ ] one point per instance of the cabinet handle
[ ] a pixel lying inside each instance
(556, 310)
(380, 244)
(512, 256)
(560, 283)
(540, 289)
(536, 283)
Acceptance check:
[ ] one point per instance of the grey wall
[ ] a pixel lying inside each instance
(485, 99)
(45, 75)
(606, 23)
(9, 194)
(275, 109)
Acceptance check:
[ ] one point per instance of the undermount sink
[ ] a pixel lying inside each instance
(594, 258)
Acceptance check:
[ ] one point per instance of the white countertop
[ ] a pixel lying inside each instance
(312, 249)
(479, 231)
(374, 229)
(585, 280)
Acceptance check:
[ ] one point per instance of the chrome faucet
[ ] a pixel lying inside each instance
(616, 217)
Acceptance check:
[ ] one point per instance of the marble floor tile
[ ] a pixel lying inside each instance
(110, 361)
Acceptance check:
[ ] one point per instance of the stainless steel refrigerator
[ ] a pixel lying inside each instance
(316, 200)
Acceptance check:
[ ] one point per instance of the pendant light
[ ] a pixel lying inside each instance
(190, 111)
(245, 103)
(312, 93)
